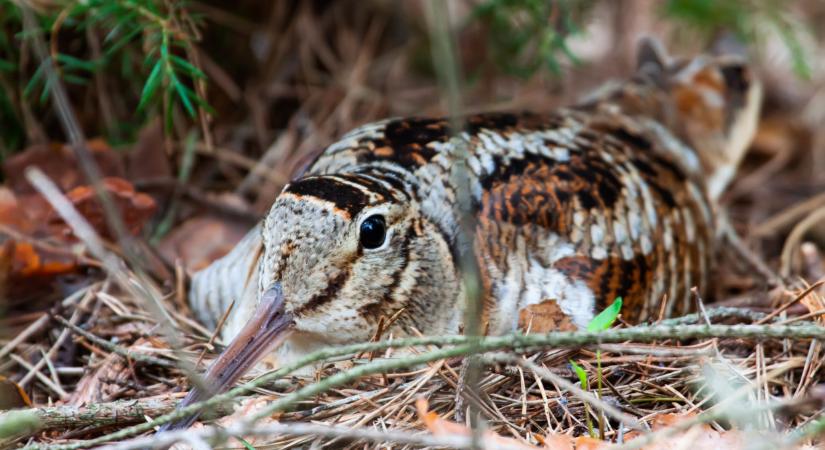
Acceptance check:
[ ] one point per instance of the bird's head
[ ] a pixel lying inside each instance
(347, 250)
(339, 253)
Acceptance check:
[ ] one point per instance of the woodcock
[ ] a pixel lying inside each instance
(613, 197)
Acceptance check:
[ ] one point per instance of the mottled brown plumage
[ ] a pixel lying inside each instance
(613, 197)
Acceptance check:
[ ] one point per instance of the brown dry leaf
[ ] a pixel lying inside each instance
(441, 427)
(10, 209)
(199, 241)
(38, 256)
(136, 208)
(28, 270)
(544, 317)
(58, 162)
(25, 213)
(12, 395)
(30, 276)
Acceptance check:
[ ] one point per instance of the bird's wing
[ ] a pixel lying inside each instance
(610, 219)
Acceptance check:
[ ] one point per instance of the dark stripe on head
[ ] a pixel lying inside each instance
(332, 289)
(371, 185)
(343, 195)
(394, 176)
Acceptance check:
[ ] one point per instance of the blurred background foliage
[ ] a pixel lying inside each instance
(299, 73)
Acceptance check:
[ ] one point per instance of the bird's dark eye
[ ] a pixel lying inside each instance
(373, 231)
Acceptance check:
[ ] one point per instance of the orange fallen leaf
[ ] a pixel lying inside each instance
(589, 443)
(556, 442)
(491, 440)
(34, 253)
(27, 261)
(136, 208)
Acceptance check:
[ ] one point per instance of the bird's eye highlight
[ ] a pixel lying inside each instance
(373, 232)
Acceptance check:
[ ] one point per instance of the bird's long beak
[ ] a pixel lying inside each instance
(268, 327)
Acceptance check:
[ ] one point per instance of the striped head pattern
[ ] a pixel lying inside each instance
(348, 249)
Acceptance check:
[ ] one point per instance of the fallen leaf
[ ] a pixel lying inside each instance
(135, 208)
(556, 442)
(544, 317)
(589, 443)
(199, 241)
(39, 247)
(12, 395)
(27, 261)
(24, 213)
(491, 440)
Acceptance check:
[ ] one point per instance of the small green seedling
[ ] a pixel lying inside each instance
(246, 444)
(603, 321)
(582, 374)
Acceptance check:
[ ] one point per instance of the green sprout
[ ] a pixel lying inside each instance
(603, 321)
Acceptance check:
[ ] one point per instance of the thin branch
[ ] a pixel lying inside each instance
(464, 346)
(98, 415)
(716, 314)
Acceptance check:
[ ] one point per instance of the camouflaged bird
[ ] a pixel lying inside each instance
(613, 197)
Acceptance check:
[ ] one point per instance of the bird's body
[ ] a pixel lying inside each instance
(577, 207)
(614, 197)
